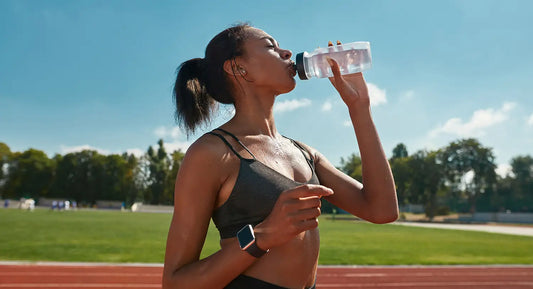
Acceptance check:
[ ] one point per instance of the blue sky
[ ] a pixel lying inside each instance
(98, 74)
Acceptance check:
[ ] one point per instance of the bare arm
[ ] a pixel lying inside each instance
(195, 194)
(375, 200)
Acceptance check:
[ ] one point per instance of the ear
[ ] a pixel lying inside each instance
(229, 67)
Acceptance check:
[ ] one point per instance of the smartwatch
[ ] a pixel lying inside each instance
(247, 242)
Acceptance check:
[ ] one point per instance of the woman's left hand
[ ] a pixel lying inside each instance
(351, 87)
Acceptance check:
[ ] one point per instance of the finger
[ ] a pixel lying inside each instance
(305, 191)
(307, 214)
(308, 202)
(307, 225)
(337, 78)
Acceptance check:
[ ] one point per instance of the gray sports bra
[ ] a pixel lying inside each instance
(256, 190)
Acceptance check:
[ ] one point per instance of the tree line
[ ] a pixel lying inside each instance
(88, 176)
(459, 177)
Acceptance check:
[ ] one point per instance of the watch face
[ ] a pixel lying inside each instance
(246, 237)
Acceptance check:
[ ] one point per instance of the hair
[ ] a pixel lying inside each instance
(202, 82)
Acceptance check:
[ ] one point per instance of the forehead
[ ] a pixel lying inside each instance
(255, 34)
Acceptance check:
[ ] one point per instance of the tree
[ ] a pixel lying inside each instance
(522, 183)
(352, 167)
(426, 180)
(470, 169)
(5, 155)
(176, 159)
(399, 151)
(400, 170)
(158, 169)
(29, 175)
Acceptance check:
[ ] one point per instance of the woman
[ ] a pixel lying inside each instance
(262, 190)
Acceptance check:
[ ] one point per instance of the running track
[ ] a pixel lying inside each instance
(57, 275)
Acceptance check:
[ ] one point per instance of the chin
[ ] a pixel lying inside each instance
(288, 87)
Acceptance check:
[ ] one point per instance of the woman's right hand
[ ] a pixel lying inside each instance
(295, 211)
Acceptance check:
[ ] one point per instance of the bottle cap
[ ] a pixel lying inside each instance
(300, 66)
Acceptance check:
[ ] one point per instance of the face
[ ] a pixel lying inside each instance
(267, 66)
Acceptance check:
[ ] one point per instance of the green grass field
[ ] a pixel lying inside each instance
(110, 236)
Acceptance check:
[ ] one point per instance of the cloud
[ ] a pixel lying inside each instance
(136, 152)
(504, 170)
(164, 132)
(530, 120)
(480, 120)
(327, 106)
(377, 95)
(290, 105)
(176, 145)
(74, 149)
(173, 139)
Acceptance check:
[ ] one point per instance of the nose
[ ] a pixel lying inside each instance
(285, 54)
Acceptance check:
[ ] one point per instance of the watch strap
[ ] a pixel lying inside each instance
(255, 251)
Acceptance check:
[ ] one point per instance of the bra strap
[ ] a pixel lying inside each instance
(227, 143)
(303, 150)
(237, 140)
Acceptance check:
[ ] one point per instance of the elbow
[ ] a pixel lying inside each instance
(386, 217)
(169, 280)
(166, 282)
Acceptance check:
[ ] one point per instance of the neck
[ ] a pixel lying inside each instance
(254, 115)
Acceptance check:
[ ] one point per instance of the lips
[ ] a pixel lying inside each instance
(292, 68)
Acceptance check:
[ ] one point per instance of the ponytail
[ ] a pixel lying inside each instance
(193, 103)
(202, 82)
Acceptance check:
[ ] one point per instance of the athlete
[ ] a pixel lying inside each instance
(262, 190)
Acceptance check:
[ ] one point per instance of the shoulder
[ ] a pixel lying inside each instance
(208, 156)
(311, 152)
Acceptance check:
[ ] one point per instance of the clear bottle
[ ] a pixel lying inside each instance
(352, 58)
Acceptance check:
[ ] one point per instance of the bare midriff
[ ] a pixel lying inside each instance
(292, 265)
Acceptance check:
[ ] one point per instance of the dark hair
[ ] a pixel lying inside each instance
(202, 82)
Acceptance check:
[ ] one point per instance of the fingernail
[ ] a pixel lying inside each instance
(330, 61)
(330, 43)
(338, 42)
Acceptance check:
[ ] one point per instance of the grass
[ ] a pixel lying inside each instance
(110, 236)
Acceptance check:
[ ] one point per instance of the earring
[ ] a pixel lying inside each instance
(242, 71)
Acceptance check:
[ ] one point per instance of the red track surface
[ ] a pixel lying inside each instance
(86, 276)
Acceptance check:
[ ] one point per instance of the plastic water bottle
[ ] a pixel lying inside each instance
(352, 58)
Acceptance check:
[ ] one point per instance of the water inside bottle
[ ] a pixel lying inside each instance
(350, 61)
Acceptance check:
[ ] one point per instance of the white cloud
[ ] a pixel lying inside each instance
(164, 132)
(377, 95)
(75, 149)
(290, 105)
(327, 106)
(530, 120)
(504, 170)
(347, 123)
(177, 145)
(480, 120)
(135, 152)
(173, 139)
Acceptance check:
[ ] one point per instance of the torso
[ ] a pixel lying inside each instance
(293, 264)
